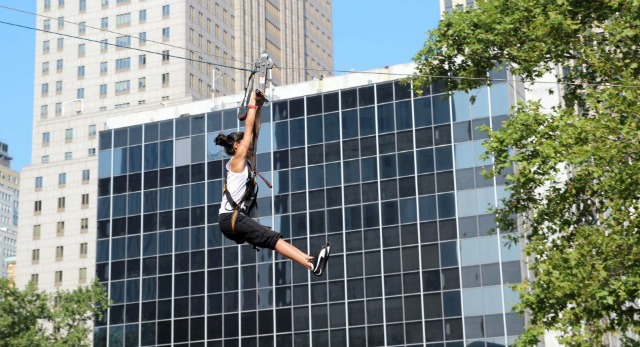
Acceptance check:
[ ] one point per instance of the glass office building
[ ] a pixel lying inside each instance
(390, 178)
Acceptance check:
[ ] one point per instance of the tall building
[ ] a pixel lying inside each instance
(9, 194)
(124, 56)
(449, 5)
(391, 178)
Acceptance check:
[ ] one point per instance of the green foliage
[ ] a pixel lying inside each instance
(33, 318)
(577, 177)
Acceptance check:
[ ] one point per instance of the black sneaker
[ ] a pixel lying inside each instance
(320, 260)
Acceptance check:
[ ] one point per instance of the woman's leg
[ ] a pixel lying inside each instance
(292, 252)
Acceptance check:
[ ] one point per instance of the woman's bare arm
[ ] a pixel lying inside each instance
(245, 147)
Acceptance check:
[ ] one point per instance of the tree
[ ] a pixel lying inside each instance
(33, 318)
(577, 178)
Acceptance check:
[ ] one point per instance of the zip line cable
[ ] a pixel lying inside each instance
(405, 75)
(122, 34)
(133, 48)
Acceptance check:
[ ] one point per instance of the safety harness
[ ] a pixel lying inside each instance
(248, 200)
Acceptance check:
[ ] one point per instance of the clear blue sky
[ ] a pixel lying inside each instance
(366, 35)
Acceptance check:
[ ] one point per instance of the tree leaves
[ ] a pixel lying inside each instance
(577, 166)
(32, 318)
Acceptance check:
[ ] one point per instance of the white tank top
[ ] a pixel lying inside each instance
(236, 185)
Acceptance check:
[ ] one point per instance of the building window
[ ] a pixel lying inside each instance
(122, 87)
(105, 3)
(60, 229)
(123, 19)
(104, 23)
(103, 67)
(60, 3)
(166, 33)
(44, 88)
(92, 131)
(82, 275)
(68, 155)
(86, 175)
(61, 203)
(103, 90)
(166, 10)
(84, 249)
(68, 135)
(81, 71)
(142, 83)
(46, 138)
(59, 65)
(47, 4)
(123, 64)
(80, 93)
(83, 5)
(82, 28)
(81, 50)
(142, 38)
(46, 25)
(165, 55)
(60, 23)
(60, 43)
(37, 206)
(58, 108)
(104, 45)
(44, 159)
(165, 79)
(123, 41)
(62, 179)
(58, 87)
(45, 46)
(45, 68)
(142, 16)
(85, 200)
(59, 253)
(38, 182)
(58, 278)
(34, 279)
(84, 225)
(142, 60)
(91, 152)
(35, 256)
(36, 231)
(44, 111)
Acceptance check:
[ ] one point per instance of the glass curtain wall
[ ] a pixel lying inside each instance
(390, 178)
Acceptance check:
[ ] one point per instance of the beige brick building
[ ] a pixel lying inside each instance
(126, 56)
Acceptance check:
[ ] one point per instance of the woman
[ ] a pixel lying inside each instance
(239, 195)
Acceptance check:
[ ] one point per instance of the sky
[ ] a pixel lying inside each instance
(366, 35)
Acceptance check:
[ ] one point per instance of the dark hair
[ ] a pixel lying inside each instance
(227, 141)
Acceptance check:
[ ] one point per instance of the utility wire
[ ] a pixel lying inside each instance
(487, 79)
(133, 48)
(405, 75)
(122, 34)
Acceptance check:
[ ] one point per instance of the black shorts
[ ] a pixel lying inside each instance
(248, 230)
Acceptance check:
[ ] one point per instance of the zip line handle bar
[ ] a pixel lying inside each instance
(262, 68)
